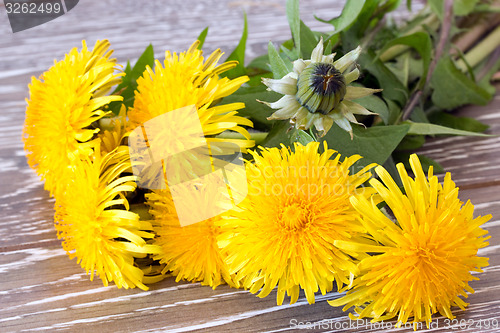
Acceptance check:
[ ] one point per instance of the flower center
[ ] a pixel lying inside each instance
(320, 88)
(294, 217)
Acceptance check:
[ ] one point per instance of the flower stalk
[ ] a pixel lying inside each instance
(481, 51)
(258, 137)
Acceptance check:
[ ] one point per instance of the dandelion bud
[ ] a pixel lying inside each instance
(320, 88)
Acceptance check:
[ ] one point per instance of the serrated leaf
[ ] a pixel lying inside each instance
(375, 144)
(433, 129)
(278, 65)
(202, 37)
(452, 88)
(129, 82)
(422, 43)
(238, 54)
(293, 15)
(350, 12)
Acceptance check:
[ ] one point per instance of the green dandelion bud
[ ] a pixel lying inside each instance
(317, 93)
(320, 88)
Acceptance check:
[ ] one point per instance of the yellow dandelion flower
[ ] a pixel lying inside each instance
(191, 252)
(63, 104)
(113, 131)
(422, 262)
(318, 93)
(283, 232)
(188, 79)
(94, 221)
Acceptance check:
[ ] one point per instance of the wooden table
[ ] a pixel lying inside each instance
(42, 290)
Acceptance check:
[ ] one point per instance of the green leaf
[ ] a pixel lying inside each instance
(308, 40)
(293, 15)
(393, 88)
(411, 142)
(432, 129)
(256, 79)
(256, 111)
(329, 41)
(394, 112)
(260, 62)
(484, 7)
(464, 7)
(302, 137)
(408, 5)
(288, 53)
(238, 54)
(390, 5)
(452, 88)
(278, 66)
(375, 144)
(129, 82)
(352, 37)
(486, 82)
(375, 104)
(278, 134)
(437, 6)
(461, 123)
(418, 115)
(202, 37)
(422, 43)
(460, 7)
(351, 11)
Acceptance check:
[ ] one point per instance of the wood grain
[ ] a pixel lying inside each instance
(42, 290)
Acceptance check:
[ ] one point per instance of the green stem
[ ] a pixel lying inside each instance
(466, 40)
(257, 136)
(482, 50)
(443, 39)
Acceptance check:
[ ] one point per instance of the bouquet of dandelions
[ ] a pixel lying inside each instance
(326, 110)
